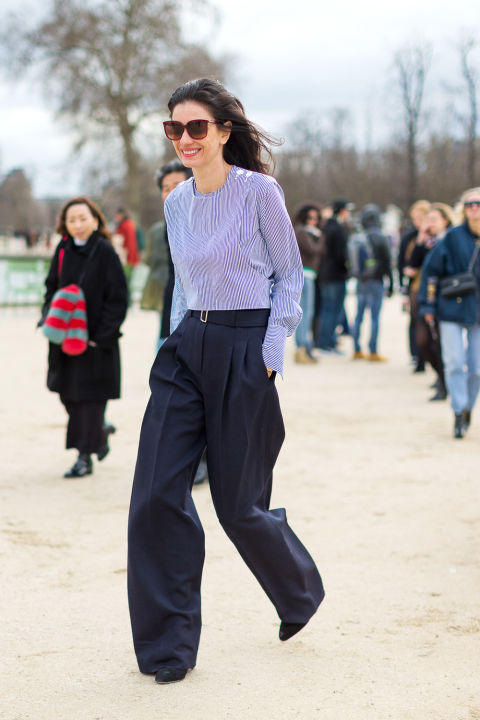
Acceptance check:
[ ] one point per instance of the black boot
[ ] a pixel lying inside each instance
(467, 417)
(459, 427)
(82, 467)
(441, 393)
(104, 449)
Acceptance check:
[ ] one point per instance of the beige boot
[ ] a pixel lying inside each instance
(303, 358)
(375, 357)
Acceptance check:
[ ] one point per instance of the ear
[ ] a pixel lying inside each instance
(225, 134)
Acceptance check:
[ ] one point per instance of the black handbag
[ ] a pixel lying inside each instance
(461, 283)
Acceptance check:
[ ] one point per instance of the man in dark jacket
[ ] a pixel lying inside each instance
(374, 264)
(333, 274)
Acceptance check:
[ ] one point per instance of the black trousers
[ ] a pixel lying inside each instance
(84, 428)
(209, 387)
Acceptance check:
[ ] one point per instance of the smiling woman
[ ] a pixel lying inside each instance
(198, 143)
(238, 279)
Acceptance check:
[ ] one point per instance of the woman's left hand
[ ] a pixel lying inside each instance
(92, 343)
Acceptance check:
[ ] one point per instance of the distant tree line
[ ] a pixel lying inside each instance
(109, 66)
(423, 159)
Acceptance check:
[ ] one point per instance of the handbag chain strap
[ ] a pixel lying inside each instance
(474, 256)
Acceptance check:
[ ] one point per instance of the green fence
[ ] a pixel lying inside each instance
(22, 280)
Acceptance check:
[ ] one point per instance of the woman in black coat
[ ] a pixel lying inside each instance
(86, 257)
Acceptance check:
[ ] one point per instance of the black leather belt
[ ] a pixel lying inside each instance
(233, 318)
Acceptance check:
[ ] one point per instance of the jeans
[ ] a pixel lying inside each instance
(461, 359)
(333, 295)
(342, 321)
(307, 302)
(369, 295)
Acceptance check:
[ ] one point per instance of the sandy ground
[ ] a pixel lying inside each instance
(386, 501)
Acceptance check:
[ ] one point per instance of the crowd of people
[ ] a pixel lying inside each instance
(333, 250)
(231, 277)
(440, 243)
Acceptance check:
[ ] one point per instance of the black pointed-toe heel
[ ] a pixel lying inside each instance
(288, 630)
(167, 675)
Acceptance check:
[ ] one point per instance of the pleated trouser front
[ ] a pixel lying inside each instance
(209, 386)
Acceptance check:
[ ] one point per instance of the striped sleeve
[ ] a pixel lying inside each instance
(287, 278)
(179, 304)
(179, 300)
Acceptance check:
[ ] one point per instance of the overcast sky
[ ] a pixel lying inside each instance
(294, 57)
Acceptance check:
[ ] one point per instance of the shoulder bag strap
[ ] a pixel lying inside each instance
(474, 256)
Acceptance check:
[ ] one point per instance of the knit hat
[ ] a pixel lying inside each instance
(66, 321)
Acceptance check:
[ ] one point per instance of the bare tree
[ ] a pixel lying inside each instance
(411, 65)
(470, 75)
(19, 212)
(109, 66)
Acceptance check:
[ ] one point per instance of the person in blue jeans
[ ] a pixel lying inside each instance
(310, 244)
(333, 274)
(458, 315)
(374, 263)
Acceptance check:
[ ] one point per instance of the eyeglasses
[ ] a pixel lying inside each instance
(197, 129)
(472, 203)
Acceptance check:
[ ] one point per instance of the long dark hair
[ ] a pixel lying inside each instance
(301, 215)
(247, 142)
(61, 228)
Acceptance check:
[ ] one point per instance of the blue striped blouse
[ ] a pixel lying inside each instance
(235, 249)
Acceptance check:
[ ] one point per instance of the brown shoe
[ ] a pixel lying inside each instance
(303, 358)
(375, 357)
(358, 355)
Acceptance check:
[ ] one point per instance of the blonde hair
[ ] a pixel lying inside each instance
(463, 198)
(445, 211)
(422, 205)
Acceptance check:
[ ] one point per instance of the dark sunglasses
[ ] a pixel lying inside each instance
(472, 203)
(197, 129)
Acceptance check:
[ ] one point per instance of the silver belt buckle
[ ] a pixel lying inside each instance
(203, 316)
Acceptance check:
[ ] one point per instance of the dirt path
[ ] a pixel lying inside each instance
(383, 497)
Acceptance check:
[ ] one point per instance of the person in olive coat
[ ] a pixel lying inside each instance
(158, 290)
(86, 257)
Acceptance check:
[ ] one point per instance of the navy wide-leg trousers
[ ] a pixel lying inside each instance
(209, 386)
